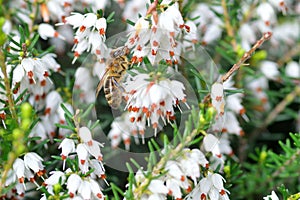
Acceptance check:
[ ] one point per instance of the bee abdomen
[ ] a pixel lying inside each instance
(114, 98)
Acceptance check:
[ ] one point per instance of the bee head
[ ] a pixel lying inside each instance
(121, 51)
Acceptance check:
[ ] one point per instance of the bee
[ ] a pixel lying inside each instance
(114, 72)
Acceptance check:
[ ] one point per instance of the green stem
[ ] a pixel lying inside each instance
(160, 165)
(12, 109)
(9, 96)
(229, 28)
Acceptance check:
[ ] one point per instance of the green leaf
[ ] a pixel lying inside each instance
(67, 112)
(22, 35)
(87, 111)
(33, 41)
(135, 163)
(110, 17)
(15, 42)
(65, 127)
(116, 190)
(21, 96)
(225, 55)
(130, 22)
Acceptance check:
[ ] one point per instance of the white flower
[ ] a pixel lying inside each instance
(67, 146)
(19, 169)
(94, 149)
(90, 34)
(153, 100)
(73, 183)
(55, 177)
(232, 125)
(233, 102)
(82, 154)
(34, 162)
(248, 36)
(98, 168)
(53, 101)
(133, 8)
(157, 186)
(217, 98)
(96, 189)
(280, 4)
(266, 13)
(211, 144)
(213, 32)
(6, 27)
(210, 187)
(191, 37)
(269, 69)
(74, 20)
(84, 83)
(101, 26)
(39, 131)
(50, 62)
(11, 177)
(273, 196)
(292, 69)
(287, 32)
(47, 31)
(85, 135)
(85, 189)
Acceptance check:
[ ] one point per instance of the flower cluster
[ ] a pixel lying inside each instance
(23, 173)
(154, 100)
(181, 176)
(155, 37)
(210, 187)
(83, 185)
(90, 34)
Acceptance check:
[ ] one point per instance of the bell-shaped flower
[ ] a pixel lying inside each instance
(34, 162)
(47, 31)
(73, 184)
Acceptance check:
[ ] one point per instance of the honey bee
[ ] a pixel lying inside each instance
(114, 72)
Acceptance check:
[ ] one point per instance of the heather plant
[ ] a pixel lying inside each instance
(156, 99)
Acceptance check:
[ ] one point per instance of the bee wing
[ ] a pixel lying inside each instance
(100, 84)
(118, 84)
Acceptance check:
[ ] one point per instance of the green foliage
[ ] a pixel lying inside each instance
(266, 171)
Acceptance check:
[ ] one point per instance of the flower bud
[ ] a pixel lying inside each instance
(18, 148)
(2, 34)
(262, 156)
(26, 110)
(202, 119)
(25, 124)
(57, 188)
(17, 133)
(227, 170)
(210, 113)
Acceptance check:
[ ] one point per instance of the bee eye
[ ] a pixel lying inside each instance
(117, 53)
